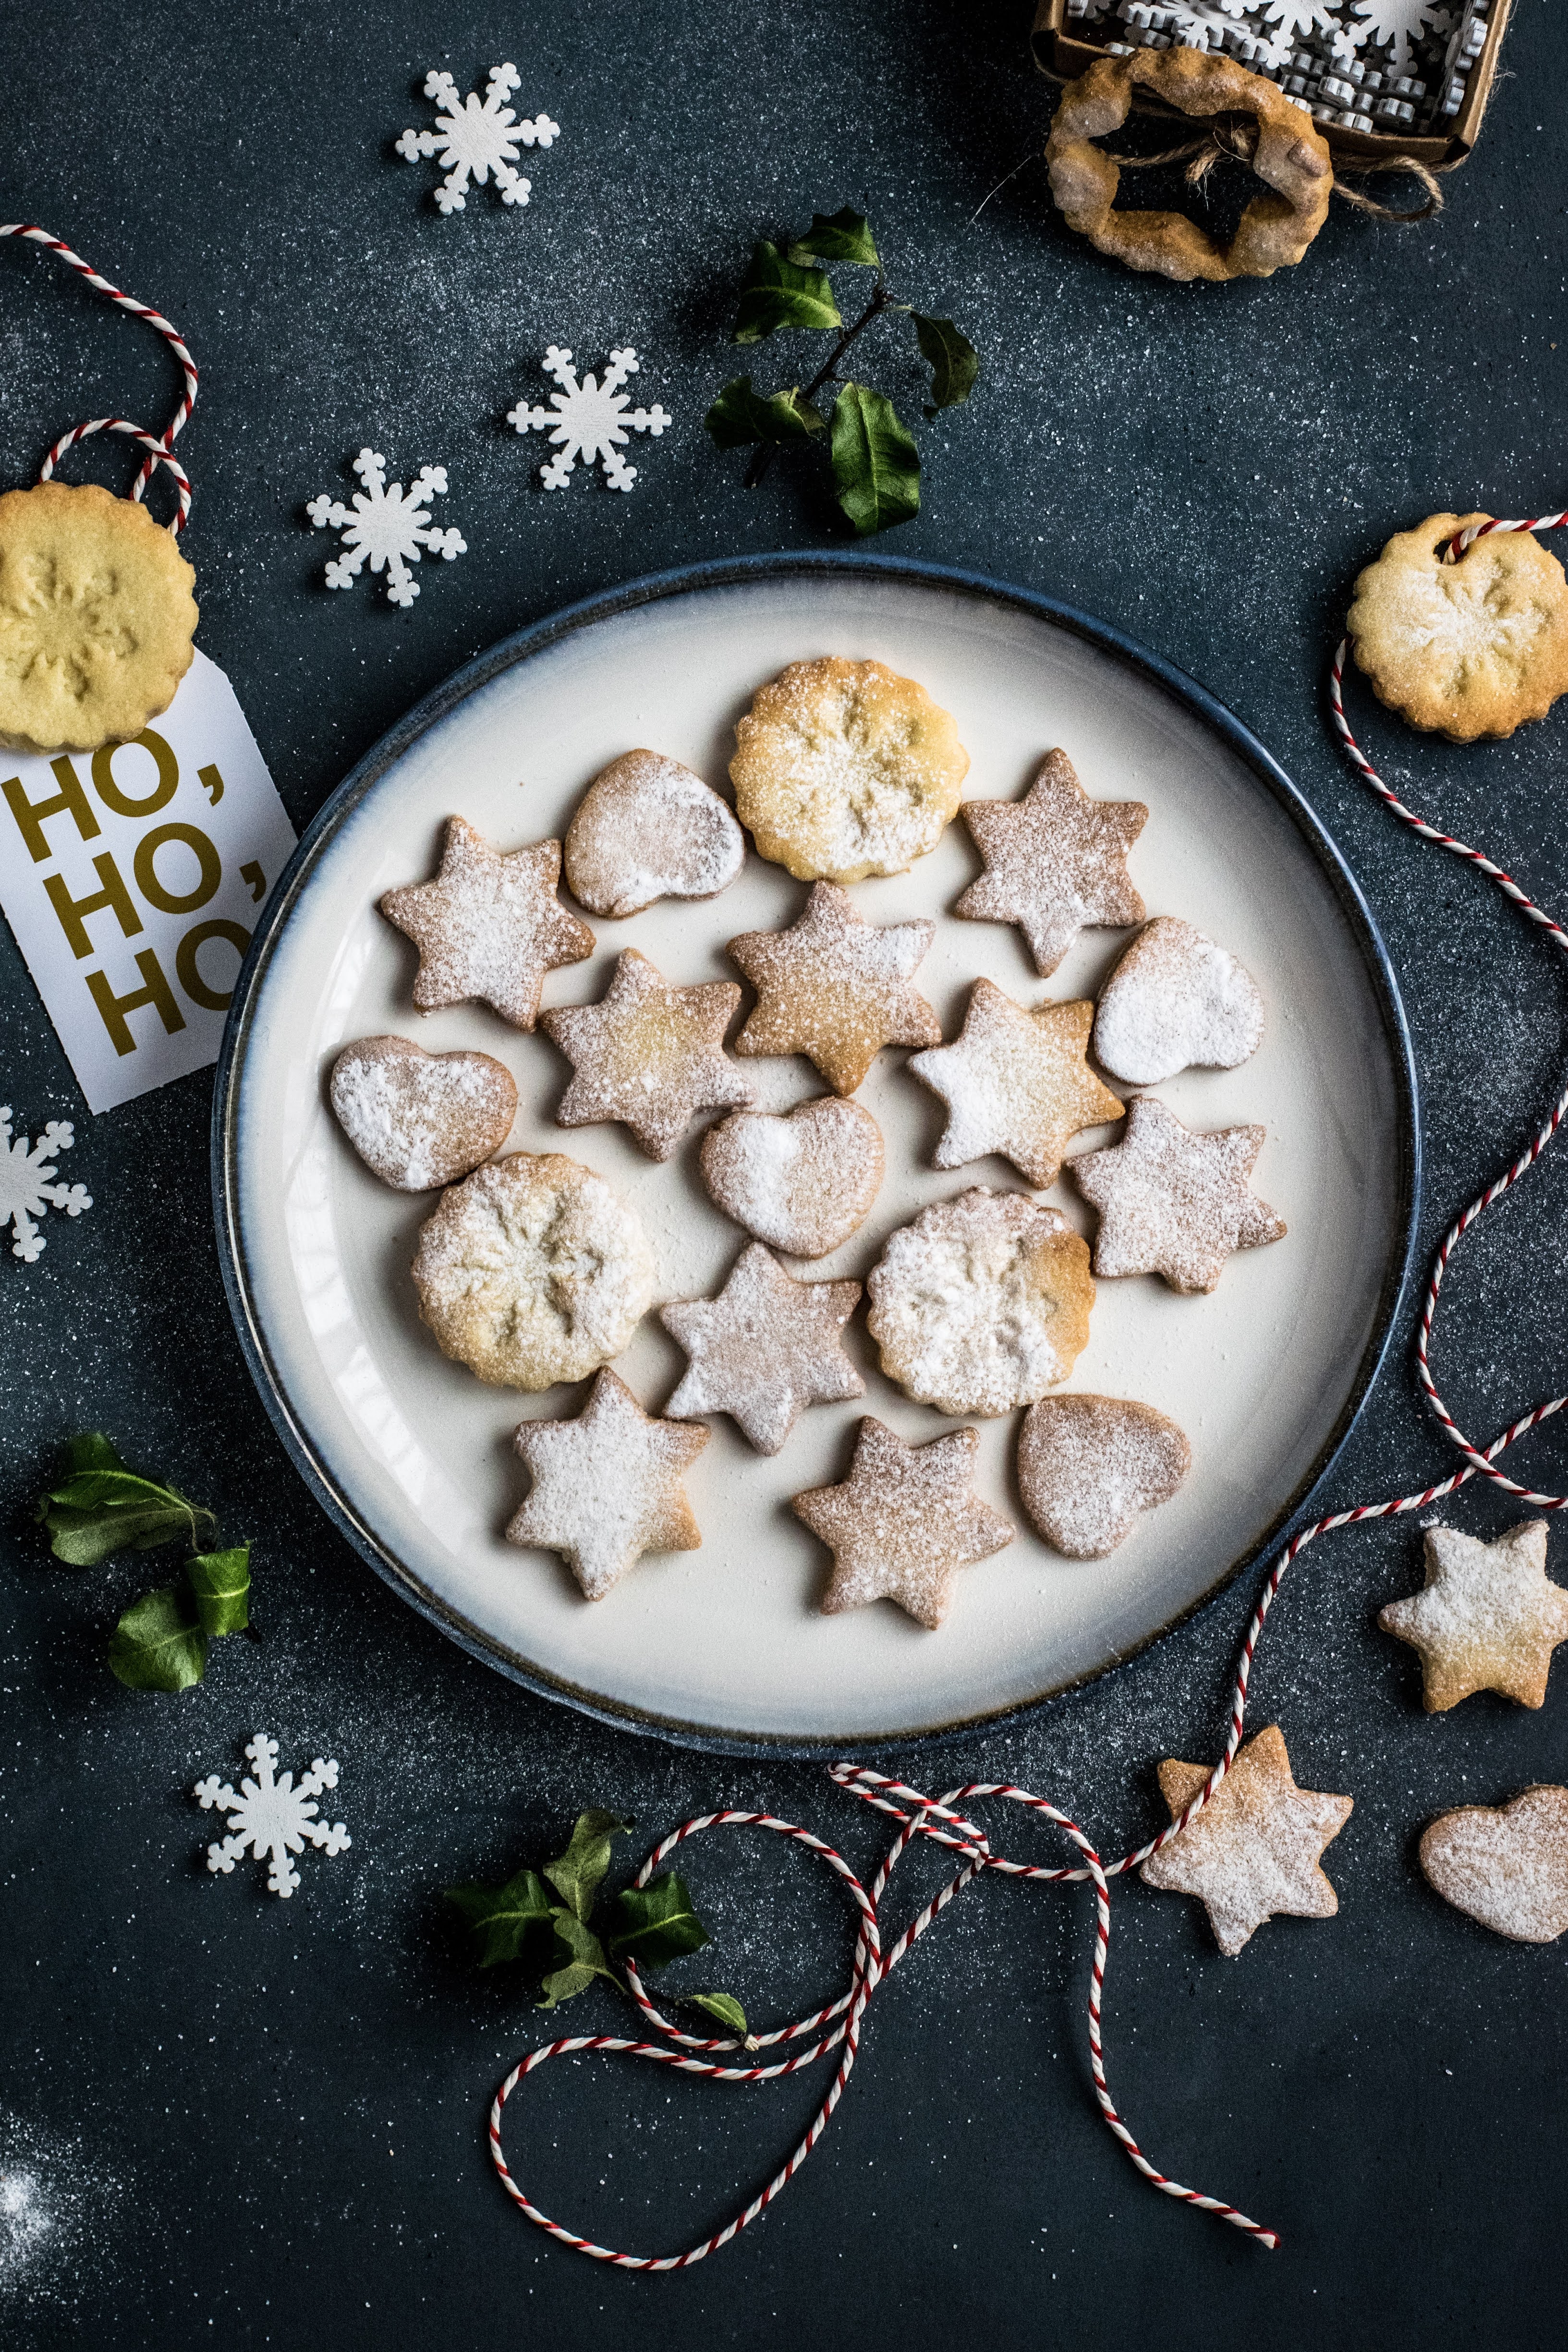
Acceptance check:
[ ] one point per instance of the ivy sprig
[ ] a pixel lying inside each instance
(876, 465)
(540, 1917)
(99, 1507)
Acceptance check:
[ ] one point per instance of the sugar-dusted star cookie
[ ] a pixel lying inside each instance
(1254, 1848)
(1054, 861)
(1016, 1082)
(489, 925)
(837, 988)
(1507, 1865)
(648, 1054)
(1174, 1203)
(1488, 1618)
(766, 1348)
(902, 1521)
(608, 1486)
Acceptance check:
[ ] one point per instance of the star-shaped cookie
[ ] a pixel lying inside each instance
(1254, 1848)
(489, 925)
(1174, 1203)
(1488, 1618)
(1017, 1083)
(648, 1054)
(606, 1487)
(1054, 861)
(766, 1348)
(904, 1518)
(837, 988)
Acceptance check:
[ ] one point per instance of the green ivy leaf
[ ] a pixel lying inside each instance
(508, 1920)
(740, 415)
(777, 294)
(577, 1873)
(656, 1924)
(220, 1584)
(953, 361)
(586, 1955)
(159, 1643)
(838, 236)
(876, 465)
(725, 2008)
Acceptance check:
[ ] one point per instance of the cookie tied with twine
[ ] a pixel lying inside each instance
(1462, 627)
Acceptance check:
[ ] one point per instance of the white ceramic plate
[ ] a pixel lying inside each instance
(412, 1454)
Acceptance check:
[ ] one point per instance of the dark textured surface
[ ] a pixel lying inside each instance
(262, 2121)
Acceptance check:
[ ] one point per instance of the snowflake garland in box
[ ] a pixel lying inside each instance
(270, 1818)
(388, 528)
(1397, 24)
(476, 140)
(28, 1189)
(588, 420)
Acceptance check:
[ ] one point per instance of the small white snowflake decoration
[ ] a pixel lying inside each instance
(26, 1185)
(272, 1818)
(1396, 22)
(588, 420)
(476, 139)
(388, 528)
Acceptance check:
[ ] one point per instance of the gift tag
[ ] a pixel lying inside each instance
(132, 876)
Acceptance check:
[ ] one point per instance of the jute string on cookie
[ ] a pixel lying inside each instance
(837, 2026)
(1235, 143)
(159, 447)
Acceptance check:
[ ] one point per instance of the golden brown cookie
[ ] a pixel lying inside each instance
(648, 1054)
(608, 1486)
(1016, 1082)
(982, 1303)
(1088, 1464)
(646, 828)
(96, 618)
(1274, 229)
(804, 1180)
(1173, 1202)
(489, 926)
(1488, 1618)
(902, 1522)
(531, 1271)
(836, 987)
(1254, 1848)
(420, 1120)
(1506, 1865)
(766, 1348)
(842, 769)
(1466, 648)
(1054, 861)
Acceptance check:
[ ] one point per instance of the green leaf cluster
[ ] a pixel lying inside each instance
(875, 462)
(99, 1507)
(542, 1918)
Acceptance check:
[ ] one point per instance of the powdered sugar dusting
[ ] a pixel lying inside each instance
(1507, 1867)
(421, 1119)
(1176, 1000)
(1089, 1464)
(802, 1180)
(647, 828)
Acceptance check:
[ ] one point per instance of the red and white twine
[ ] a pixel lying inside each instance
(837, 2027)
(159, 447)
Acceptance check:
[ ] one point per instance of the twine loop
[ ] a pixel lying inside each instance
(1234, 140)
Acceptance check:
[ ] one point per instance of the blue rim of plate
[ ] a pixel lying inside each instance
(538, 637)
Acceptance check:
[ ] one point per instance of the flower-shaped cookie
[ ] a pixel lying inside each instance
(1464, 648)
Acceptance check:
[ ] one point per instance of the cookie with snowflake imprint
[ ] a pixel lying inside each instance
(1087, 1465)
(531, 1271)
(1176, 1000)
(648, 1054)
(1469, 647)
(836, 988)
(803, 1180)
(646, 828)
(1488, 1618)
(766, 1348)
(608, 1486)
(843, 769)
(1505, 1865)
(1016, 1082)
(417, 1119)
(96, 618)
(982, 1303)
(1054, 861)
(1254, 1850)
(489, 926)
(1174, 1203)
(903, 1523)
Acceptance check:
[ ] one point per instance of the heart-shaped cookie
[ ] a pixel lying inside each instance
(803, 1180)
(1177, 1002)
(647, 828)
(1507, 1865)
(419, 1119)
(1089, 1464)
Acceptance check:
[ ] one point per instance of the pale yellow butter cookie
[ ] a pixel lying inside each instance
(1466, 648)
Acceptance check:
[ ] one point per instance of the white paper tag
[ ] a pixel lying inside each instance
(131, 877)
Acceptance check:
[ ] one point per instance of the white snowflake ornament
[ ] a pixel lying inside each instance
(272, 1818)
(476, 139)
(26, 1185)
(388, 528)
(588, 420)
(1396, 22)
